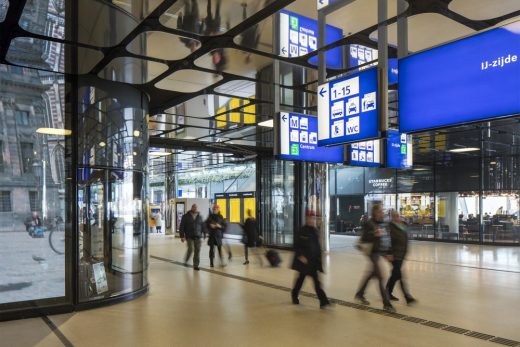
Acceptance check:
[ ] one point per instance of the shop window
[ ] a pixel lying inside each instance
(5, 201)
(416, 210)
(22, 117)
(457, 216)
(500, 219)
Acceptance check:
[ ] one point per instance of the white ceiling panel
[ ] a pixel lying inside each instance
(484, 9)
(427, 30)
(188, 81)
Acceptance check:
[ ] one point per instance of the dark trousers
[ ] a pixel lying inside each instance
(193, 247)
(375, 272)
(317, 287)
(397, 276)
(212, 245)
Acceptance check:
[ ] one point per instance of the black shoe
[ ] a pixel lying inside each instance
(393, 298)
(295, 300)
(324, 304)
(246, 262)
(196, 268)
(361, 299)
(410, 300)
(389, 308)
(230, 256)
(211, 265)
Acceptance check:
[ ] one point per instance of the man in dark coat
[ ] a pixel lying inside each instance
(216, 224)
(251, 237)
(307, 259)
(191, 231)
(398, 252)
(373, 230)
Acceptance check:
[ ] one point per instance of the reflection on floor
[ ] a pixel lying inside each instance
(473, 288)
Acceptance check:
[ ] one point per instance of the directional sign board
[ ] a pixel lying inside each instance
(298, 140)
(324, 3)
(359, 55)
(399, 150)
(299, 37)
(365, 153)
(348, 110)
(473, 79)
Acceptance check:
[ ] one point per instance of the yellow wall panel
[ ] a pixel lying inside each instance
(234, 116)
(250, 118)
(221, 117)
(250, 203)
(223, 207)
(234, 210)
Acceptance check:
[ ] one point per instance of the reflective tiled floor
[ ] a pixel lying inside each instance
(221, 308)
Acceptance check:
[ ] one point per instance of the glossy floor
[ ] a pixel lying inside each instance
(473, 288)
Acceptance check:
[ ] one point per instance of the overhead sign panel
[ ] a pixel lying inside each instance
(299, 37)
(365, 153)
(359, 55)
(298, 140)
(348, 110)
(399, 150)
(473, 79)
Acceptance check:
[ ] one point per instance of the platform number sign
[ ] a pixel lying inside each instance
(347, 109)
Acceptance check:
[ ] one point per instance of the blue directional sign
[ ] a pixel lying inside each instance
(473, 79)
(348, 110)
(299, 37)
(399, 150)
(298, 140)
(359, 55)
(365, 153)
(324, 3)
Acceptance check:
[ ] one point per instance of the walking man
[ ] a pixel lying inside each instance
(372, 233)
(398, 252)
(216, 224)
(191, 231)
(307, 259)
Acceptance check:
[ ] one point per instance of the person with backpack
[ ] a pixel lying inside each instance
(191, 231)
(373, 230)
(215, 224)
(307, 259)
(251, 237)
(399, 248)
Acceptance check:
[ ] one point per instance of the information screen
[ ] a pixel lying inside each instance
(473, 79)
(299, 37)
(399, 150)
(347, 109)
(298, 140)
(365, 153)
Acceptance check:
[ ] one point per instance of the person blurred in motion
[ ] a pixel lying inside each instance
(215, 224)
(307, 259)
(373, 230)
(399, 248)
(157, 216)
(191, 231)
(251, 237)
(189, 22)
(212, 23)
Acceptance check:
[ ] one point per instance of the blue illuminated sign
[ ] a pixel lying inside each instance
(298, 138)
(359, 55)
(399, 150)
(347, 109)
(365, 153)
(299, 37)
(473, 79)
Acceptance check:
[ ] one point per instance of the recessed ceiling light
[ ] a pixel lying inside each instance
(267, 123)
(137, 133)
(159, 154)
(465, 149)
(493, 162)
(54, 131)
(102, 144)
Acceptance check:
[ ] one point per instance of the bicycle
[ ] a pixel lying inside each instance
(57, 239)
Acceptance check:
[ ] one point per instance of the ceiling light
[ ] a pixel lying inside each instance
(159, 154)
(465, 149)
(137, 133)
(267, 123)
(102, 144)
(54, 131)
(134, 153)
(493, 162)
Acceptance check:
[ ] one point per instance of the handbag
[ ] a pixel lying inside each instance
(365, 247)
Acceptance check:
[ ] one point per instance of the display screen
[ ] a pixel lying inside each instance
(299, 37)
(347, 109)
(473, 79)
(399, 150)
(298, 136)
(365, 153)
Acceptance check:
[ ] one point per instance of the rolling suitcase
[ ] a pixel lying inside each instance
(273, 257)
